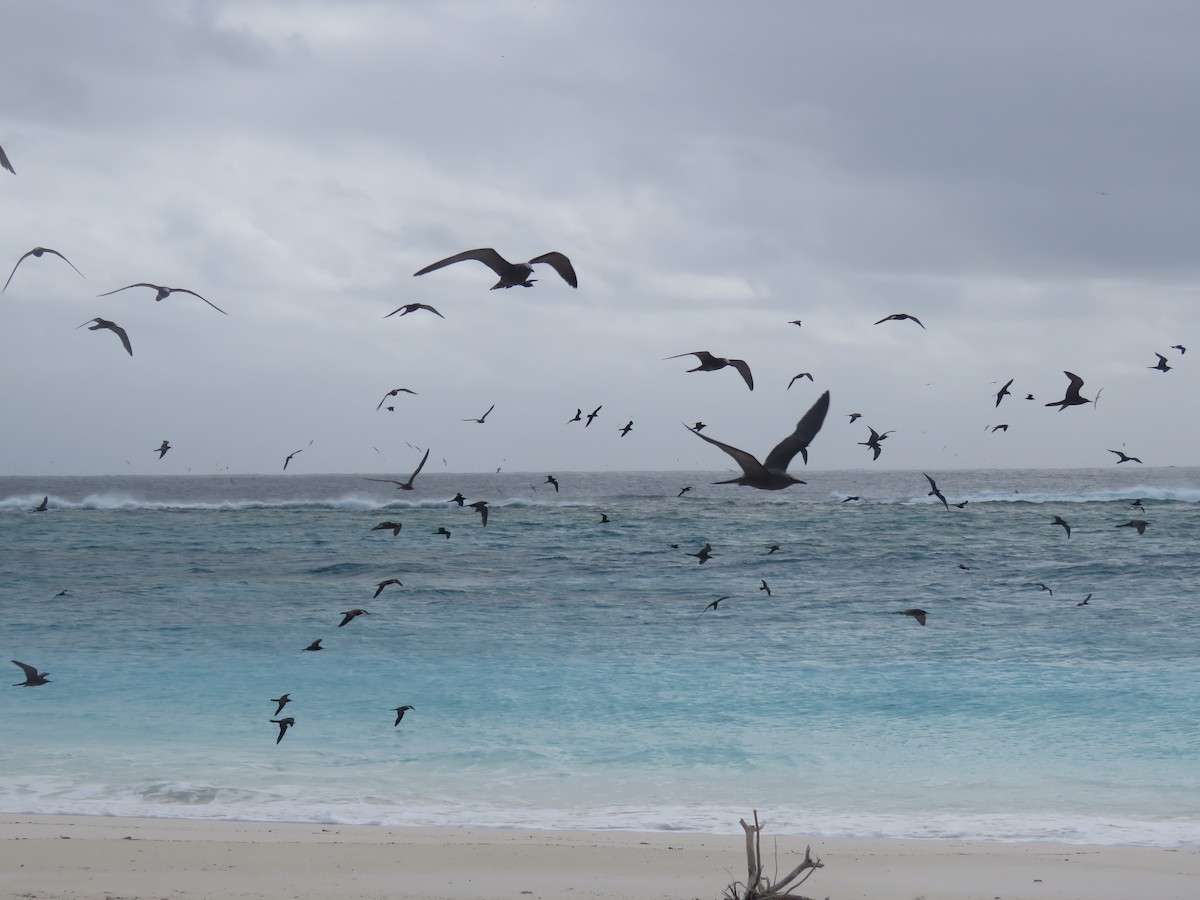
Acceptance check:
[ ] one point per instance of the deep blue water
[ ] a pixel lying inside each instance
(565, 674)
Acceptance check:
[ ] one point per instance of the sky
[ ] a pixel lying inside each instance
(1020, 176)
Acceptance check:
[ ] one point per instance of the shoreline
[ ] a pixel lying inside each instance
(138, 859)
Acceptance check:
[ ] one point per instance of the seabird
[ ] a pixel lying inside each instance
(1084, 601)
(315, 645)
(413, 307)
(899, 317)
(1137, 504)
(1044, 588)
(400, 711)
(854, 417)
(1003, 392)
(1161, 365)
(283, 700)
(714, 604)
(481, 419)
(1059, 520)
(392, 393)
(1182, 349)
(1124, 458)
(704, 555)
(162, 449)
(795, 322)
(379, 589)
(442, 530)
(1030, 397)
(852, 497)
(4, 163)
(934, 492)
(765, 587)
(771, 475)
(162, 292)
(699, 426)
(481, 507)
(1003, 428)
(626, 428)
(353, 614)
(873, 441)
(772, 549)
(603, 518)
(284, 725)
(577, 417)
(1139, 524)
(918, 614)
(33, 677)
(807, 375)
(710, 363)
(550, 479)
(511, 274)
(43, 506)
(289, 457)
(405, 485)
(37, 252)
(683, 490)
(1072, 397)
(111, 326)
(457, 498)
(595, 412)
(961, 505)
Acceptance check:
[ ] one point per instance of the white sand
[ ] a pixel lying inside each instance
(132, 859)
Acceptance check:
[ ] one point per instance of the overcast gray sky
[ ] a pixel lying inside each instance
(1021, 176)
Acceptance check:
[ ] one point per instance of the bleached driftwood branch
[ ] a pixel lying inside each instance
(759, 887)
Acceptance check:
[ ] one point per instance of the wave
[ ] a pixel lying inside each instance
(113, 502)
(1124, 497)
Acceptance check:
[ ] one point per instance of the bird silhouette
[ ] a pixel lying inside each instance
(1139, 524)
(771, 474)
(1124, 458)
(996, 428)
(710, 363)
(511, 274)
(4, 163)
(37, 253)
(774, 548)
(284, 725)
(400, 711)
(413, 307)
(162, 449)
(1084, 601)
(33, 677)
(1137, 504)
(43, 506)
(481, 419)
(1059, 520)
(595, 412)
(918, 614)
(874, 441)
(1182, 349)
(162, 292)
(764, 586)
(1044, 588)
(481, 507)
(111, 326)
(714, 604)
(1072, 397)
(293, 453)
(392, 393)
(1161, 365)
(393, 527)
(626, 428)
(442, 530)
(934, 492)
(854, 417)
(457, 498)
(405, 485)
(577, 417)
(379, 588)
(683, 490)
(699, 426)
(704, 554)
(1003, 392)
(807, 375)
(283, 700)
(550, 479)
(314, 646)
(900, 317)
(352, 614)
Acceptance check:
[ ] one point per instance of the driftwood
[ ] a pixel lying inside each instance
(757, 886)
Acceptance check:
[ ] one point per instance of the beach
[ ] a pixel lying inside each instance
(133, 858)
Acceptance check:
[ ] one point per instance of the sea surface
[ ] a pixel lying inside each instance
(565, 672)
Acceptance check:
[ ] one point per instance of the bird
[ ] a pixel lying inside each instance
(852, 497)
(1030, 397)
(1003, 392)
(1084, 601)
(699, 426)
(964, 568)
(764, 586)
(111, 326)
(400, 711)
(577, 417)
(442, 530)
(457, 498)
(290, 455)
(392, 393)
(283, 700)
(854, 417)
(162, 449)
(284, 725)
(550, 479)
(626, 428)
(797, 322)
(1044, 588)
(379, 589)
(683, 490)
(595, 412)
(1139, 524)
(43, 506)
(714, 604)
(406, 485)
(772, 475)
(710, 363)
(481, 419)
(37, 253)
(413, 307)
(1182, 349)
(1125, 458)
(603, 518)
(704, 554)
(393, 527)
(807, 375)
(1072, 397)
(33, 677)
(873, 441)
(918, 614)
(162, 292)
(774, 548)
(481, 507)
(934, 492)
(1137, 504)
(1059, 520)
(4, 163)
(900, 317)
(511, 274)
(314, 646)
(350, 614)
(961, 505)
(996, 428)
(1161, 365)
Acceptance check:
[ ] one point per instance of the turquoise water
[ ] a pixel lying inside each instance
(564, 672)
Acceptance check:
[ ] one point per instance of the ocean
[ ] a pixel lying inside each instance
(567, 673)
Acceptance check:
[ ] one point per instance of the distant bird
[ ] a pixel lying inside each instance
(626, 428)
(764, 586)
(413, 307)
(874, 441)
(960, 505)
(33, 677)
(482, 418)
(918, 614)
(1030, 397)
(550, 479)
(37, 252)
(400, 711)
(772, 475)
(1084, 601)
(4, 163)
(392, 393)
(406, 485)
(934, 492)
(714, 604)
(284, 725)
(854, 417)
(683, 490)
(1182, 349)
(481, 507)
(162, 449)
(1072, 397)
(704, 555)
(511, 274)
(351, 614)
(710, 363)
(441, 530)
(1044, 588)
(1139, 524)
(314, 646)
(595, 412)
(1059, 520)
(162, 292)
(283, 700)
(1003, 392)
(807, 375)
(393, 527)
(964, 568)
(699, 426)
(457, 498)
(852, 497)
(1125, 458)
(111, 326)
(577, 417)
(43, 506)
(1137, 504)
(1161, 365)
(289, 457)
(996, 428)
(796, 322)
(603, 518)
(774, 548)
(900, 317)
(379, 590)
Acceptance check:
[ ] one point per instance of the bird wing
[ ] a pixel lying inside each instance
(431, 309)
(128, 286)
(932, 483)
(64, 259)
(703, 356)
(806, 429)
(394, 311)
(14, 269)
(918, 321)
(419, 467)
(1075, 384)
(5, 163)
(748, 463)
(30, 671)
(120, 332)
(388, 480)
(560, 264)
(485, 255)
(194, 294)
(744, 368)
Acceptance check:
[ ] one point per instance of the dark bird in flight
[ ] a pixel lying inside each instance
(764, 586)
(550, 479)
(481, 419)
(704, 555)
(284, 725)
(964, 568)
(379, 589)
(961, 505)
(400, 711)
(393, 527)
(315, 645)
(33, 677)
(4, 163)
(1125, 458)
(1161, 365)
(1003, 392)
(1044, 588)
(1182, 349)
(1072, 397)
(934, 492)
(442, 530)
(481, 507)
(37, 252)
(710, 363)
(352, 614)
(852, 497)
(1139, 524)
(162, 449)
(43, 506)
(996, 428)
(854, 417)
(899, 317)
(774, 548)
(771, 474)
(918, 614)
(577, 417)
(289, 457)
(874, 441)
(603, 518)
(162, 292)
(511, 274)
(1059, 520)
(807, 375)
(1137, 504)
(626, 428)
(714, 604)
(406, 485)
(457, 498)
(595, 412)
(1084, 601)
(795, 322)
(1030, 397)
(699, 426)
(683, 490)
(392, 393)
(413, 307)
(283, 700)
(111, 326)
